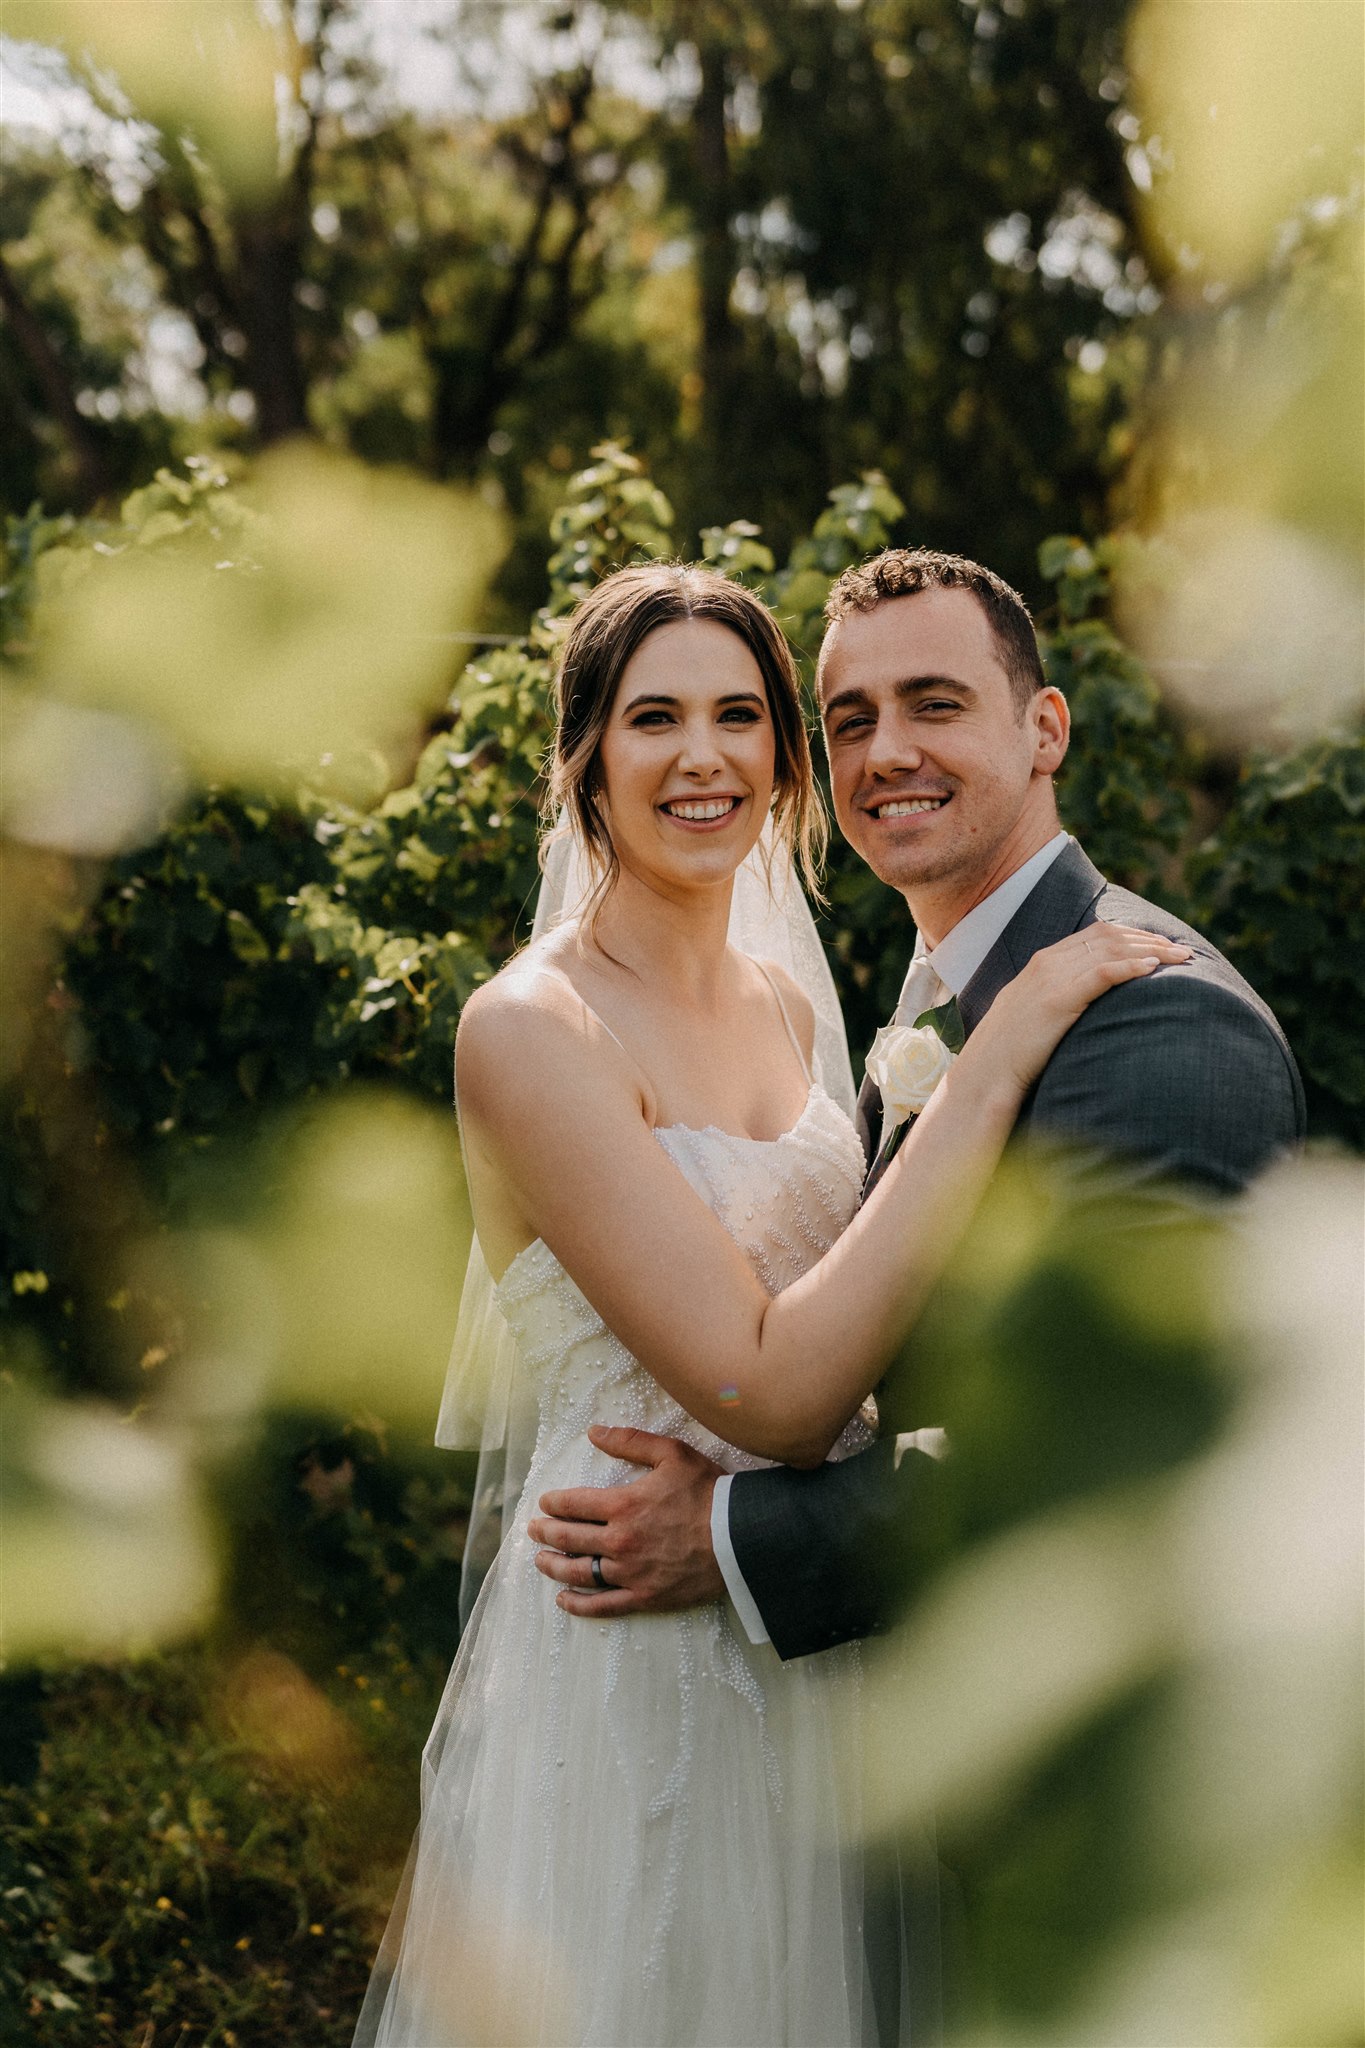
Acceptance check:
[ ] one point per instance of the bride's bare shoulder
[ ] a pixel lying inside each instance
(528, 1019)
(530, 994)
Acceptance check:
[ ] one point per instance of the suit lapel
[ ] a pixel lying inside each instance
(867, 1118)
(1058, 905)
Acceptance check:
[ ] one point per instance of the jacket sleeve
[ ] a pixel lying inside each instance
(823, 1552)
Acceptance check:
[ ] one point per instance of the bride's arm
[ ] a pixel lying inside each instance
(556, 1112)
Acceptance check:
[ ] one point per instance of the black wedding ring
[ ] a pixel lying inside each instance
(597, 1577)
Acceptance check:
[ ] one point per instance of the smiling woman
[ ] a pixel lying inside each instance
(752, 688)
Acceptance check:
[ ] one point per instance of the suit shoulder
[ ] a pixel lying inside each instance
(1121, 906)
(1180, 1067)
(1209, 967)
(1183, 1016)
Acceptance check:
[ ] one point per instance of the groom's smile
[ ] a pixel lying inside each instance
(884, 808)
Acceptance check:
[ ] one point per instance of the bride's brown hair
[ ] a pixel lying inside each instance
(604, 632)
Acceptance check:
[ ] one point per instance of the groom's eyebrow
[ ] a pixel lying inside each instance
(905, 686)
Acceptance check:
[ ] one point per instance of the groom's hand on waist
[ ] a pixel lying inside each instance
(651, 1538)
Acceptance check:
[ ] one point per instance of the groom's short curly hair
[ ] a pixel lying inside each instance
(905, 572)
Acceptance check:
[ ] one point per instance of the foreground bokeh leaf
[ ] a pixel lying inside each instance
(341, 1296)
(1257, 109)
(108, 1548)
(314, 631)
(205, 68)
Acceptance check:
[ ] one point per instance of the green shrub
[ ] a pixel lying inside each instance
(1278, 887)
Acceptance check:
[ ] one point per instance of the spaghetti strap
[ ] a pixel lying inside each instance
(547, 968)
(782, 1009)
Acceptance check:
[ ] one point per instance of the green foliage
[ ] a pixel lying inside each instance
(1278, 887)
(26, 539)
(1122, 790)
(469, 292)
(343, 1550)
(613, 512)
(159, 1875)
(857, 521)
(212, 1836)
(196, 1002)
(44, 558)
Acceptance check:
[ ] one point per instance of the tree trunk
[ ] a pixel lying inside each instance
(474, 379)
(268, 269)
(51, 373)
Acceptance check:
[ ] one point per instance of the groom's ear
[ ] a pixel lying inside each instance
(1050, 715)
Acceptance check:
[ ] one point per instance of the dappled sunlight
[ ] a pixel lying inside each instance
(1250, 606)
(287, 1724)
(362, 1254)
(1013, 1651)
(1257, 110)
(1253, 625)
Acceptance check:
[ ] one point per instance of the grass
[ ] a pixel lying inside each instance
(207, 1853)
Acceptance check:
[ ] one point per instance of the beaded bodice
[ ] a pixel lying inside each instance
(783, 1200)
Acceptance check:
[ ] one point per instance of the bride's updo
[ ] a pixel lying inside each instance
(605, 631)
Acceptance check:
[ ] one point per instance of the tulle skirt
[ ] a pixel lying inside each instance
(640, 1833)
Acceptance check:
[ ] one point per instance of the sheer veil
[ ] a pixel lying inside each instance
(486, 1406)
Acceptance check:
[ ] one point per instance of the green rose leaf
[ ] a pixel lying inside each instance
(947, 1022)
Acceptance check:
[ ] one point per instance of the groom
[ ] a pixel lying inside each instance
(944, 736)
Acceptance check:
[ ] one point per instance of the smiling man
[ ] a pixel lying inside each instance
(944, 736)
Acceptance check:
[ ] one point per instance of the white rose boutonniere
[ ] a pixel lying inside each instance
(907, 1061)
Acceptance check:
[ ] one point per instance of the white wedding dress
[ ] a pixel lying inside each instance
(639, 1833)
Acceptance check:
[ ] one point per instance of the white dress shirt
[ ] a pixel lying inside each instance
(955, 959)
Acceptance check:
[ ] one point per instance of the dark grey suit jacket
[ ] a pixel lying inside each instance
(1180, 1079)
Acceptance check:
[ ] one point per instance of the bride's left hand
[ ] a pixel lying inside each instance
(651, 1536)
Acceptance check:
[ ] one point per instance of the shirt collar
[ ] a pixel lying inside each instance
(956, 958)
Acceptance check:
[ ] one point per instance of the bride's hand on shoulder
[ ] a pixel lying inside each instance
(1033, 1013)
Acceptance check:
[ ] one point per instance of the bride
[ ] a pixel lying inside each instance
(645, 1831)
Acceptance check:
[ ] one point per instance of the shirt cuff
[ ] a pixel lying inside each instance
(742, 1599)
(933, 1443)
